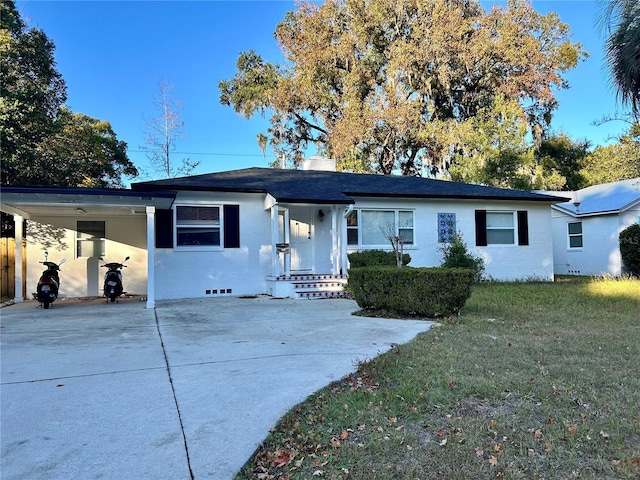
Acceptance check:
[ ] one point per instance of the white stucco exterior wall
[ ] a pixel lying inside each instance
(502, 262)
(188, 272)
(600, 253)
(192, 272)
(82, 276)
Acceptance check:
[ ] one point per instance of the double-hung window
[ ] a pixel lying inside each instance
(197, 226)
(370, 228)
(502, 227)
(575, 234)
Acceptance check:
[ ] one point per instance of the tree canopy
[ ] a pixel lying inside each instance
(42, 142)
(611, 163)
(31, 91)
(391, 85)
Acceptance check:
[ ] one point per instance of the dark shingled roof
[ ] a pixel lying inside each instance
(313, 186)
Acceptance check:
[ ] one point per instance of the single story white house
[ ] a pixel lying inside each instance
(586, 228)
(271, 231)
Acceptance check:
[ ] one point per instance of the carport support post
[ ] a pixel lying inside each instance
(151, 256)
(19, 295)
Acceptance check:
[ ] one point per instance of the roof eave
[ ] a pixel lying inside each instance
(456, 197)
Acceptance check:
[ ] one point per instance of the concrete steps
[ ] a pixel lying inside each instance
(316, 286)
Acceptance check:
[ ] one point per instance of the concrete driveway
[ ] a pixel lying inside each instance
(185, 391)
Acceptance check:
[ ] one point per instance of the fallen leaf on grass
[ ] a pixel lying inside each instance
(282, 458)
(493, 460)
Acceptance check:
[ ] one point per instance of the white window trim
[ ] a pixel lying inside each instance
(569, 235)
(514, 228)
(385, 246)
(198, 248)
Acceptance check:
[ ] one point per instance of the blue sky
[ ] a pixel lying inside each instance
(111, 54)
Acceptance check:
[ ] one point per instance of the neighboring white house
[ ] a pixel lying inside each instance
(270, 231)
(586, 228)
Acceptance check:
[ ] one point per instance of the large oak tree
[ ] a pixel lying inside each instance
(387, 85)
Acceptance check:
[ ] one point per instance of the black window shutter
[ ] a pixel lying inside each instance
(523, 227)
(232, 226)
(481, 228)
(164, 228)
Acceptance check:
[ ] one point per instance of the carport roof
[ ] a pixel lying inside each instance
(315, 186)
(26, 201)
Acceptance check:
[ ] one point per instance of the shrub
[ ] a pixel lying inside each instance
(371, 258)
(630, 249)
(457, 255)
(429, 292)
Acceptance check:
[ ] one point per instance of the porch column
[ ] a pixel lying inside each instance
(275, 256)
(344, 259)
(19, 294)
(335, 243)
(287, 240)
(151, 256)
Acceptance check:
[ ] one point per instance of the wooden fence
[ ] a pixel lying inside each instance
(8, 267)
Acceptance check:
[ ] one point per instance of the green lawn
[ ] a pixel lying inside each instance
(532, 381)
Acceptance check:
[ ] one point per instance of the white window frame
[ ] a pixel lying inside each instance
(575, 235)
(94, 240)
(513, 228)
(181, 227)
(396, 212)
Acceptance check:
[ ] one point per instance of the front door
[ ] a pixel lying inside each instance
(300, 240)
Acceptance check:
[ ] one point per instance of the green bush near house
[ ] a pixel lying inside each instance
(426, 292)
(457, 255)
(630, 249)
(370, 258)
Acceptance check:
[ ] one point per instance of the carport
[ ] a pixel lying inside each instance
(25, 203)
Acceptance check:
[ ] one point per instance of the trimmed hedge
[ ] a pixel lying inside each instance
(429, 292)
(370, 258)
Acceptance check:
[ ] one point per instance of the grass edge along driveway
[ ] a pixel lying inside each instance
(532, 381)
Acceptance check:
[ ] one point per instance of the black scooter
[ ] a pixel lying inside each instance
(49, 282)
(113, 279)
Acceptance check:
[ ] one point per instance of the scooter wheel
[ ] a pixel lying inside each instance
(112, 298)
(45, 305)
